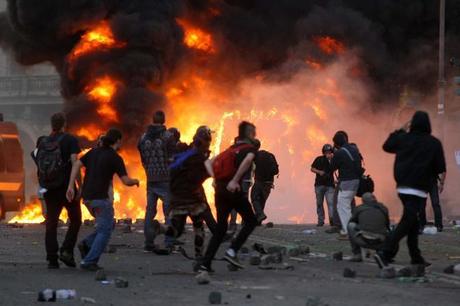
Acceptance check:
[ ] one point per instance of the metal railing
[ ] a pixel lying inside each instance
(29, 86)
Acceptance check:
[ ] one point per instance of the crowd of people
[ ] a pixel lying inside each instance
(243, 178)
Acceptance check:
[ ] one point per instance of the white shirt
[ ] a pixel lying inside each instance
(412, 191)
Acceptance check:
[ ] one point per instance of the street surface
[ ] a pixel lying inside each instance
(169, 280)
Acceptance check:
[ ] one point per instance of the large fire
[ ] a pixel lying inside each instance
(98, 38)
(290, 118)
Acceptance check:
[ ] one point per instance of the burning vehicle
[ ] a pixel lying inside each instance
(12, 177)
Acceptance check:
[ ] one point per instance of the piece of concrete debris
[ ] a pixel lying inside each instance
(387, 273)
(338, 256)
(449, 269)
(255, 259)
(121, 282)
(277, 249)
(267, 259)
(418, 270)
(87, 300)
(404, 272)
(349, 273)
(100, 275)
(315, 301)
(215, 298)
(244, 250)
(293, 251)
(304, 249)
(270, 225)
(110, 249)
(203, 278)
(259, 248)
(232, 268)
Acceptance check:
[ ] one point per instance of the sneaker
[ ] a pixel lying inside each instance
(380, 260)
(332, 230)
(320, 224)
(84, 249)
(356, 258)
(92, 267)
(53, 264)
(261, 218)
(440, 229)
(231, 257)
(198, 268)
(67, 258)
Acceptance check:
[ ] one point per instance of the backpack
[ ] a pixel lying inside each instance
(51, 166)
(366, 183)
(181, 158)
(266, 164)
(224, 164)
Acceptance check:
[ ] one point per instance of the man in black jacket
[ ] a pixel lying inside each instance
(419, 158)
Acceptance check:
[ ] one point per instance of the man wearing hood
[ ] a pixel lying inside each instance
(419, 158)
(156, 147)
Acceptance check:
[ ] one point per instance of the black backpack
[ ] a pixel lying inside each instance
(51, 166)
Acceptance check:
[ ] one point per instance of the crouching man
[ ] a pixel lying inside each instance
(101, 164)
(369, 226)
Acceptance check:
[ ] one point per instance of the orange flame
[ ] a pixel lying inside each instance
(102, 93)
(329, 45)
(99, 38)
(195, 38)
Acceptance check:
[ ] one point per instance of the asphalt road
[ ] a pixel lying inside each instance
(168, 280)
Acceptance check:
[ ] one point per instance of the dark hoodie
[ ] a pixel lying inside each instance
(419, 155)
(156, 147)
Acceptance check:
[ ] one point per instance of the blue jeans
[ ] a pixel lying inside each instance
(103, 211)
(156, 191)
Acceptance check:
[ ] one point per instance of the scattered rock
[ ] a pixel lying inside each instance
(215, 298)
(315, 301)
(232, 268)
(203, 278)
(121, 282)
(349, 273)
(338, 256)
(87, 300)
(404, 272)
(294, 251)
(248, 296)
(269, 225)
(259, 248)
(387, 273)
(267, 259)
(304, 249)
(277, 249)
(110, 249)
(100, 275)
(255, 260)
(418, 270)
(244, 250)
(449, 269)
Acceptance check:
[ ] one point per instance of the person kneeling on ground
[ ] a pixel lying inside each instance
(101, 164)
(369, 226)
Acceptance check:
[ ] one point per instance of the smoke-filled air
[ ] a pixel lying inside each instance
(300, 70)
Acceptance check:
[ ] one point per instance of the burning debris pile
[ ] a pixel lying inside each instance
(298, 69)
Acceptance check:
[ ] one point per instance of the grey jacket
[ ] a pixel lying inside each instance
(156, 147)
